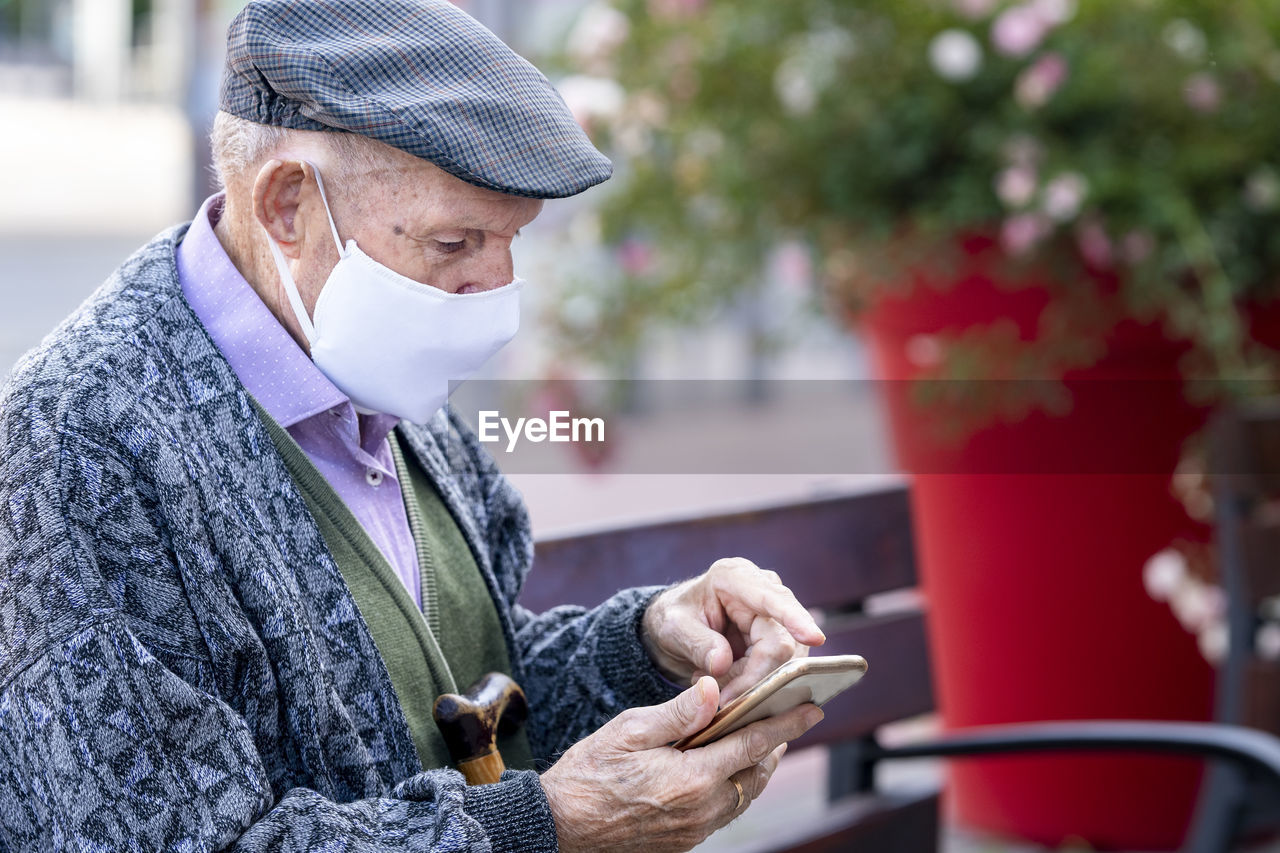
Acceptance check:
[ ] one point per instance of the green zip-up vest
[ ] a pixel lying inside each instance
(459, 639)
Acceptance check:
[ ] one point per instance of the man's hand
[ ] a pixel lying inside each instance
(625, 788)
(736, 623)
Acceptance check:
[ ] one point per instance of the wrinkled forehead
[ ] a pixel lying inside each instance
(413, 194)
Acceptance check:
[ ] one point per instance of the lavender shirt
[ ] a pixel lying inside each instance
(349, 449)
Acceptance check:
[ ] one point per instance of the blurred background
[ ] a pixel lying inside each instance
(1009, 196)
(106, 105)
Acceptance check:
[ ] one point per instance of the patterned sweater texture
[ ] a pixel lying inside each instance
(182, 666)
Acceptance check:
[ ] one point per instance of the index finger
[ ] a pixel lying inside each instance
(779, 604)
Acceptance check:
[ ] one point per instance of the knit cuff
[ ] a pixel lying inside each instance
(514, 813)
(630, 673)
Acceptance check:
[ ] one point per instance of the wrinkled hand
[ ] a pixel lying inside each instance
(736, 622)
(625, 788)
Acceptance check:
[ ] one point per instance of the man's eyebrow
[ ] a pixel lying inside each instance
(424, 230)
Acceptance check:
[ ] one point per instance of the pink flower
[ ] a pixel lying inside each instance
(1054, 12)
(1163, 573)
(1262, 190)
(635, 257)
(598, 34)
(1214, 642)
(1268, 641)
(1064, 195)
(1021, 232)
(1137, 246)
(1185, 39)
(955, 55)
(1196, 604)
(1094, 244)
(974, 9)
(591, 98)
(1019, 30)
(1017, 185)
(924, 351)
(1202, 93)
(1037, 84)
(675, 8)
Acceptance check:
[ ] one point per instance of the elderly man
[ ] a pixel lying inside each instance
(243, 548)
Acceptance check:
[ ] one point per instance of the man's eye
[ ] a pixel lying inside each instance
(449, 246)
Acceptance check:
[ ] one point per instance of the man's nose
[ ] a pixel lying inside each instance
(490, 271)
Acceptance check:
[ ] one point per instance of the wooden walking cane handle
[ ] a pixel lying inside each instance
(471, 722)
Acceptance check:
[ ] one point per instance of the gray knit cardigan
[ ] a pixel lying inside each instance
(182, 666)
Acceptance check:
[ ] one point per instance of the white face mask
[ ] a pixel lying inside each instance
(392, 344)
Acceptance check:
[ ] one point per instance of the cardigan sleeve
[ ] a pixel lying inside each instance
(103, 748)
(584, 666)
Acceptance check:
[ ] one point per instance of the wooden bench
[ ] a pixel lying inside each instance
(852, 559)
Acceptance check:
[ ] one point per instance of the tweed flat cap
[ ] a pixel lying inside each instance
(420, 75)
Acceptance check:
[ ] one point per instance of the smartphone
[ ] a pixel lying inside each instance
(796, 682)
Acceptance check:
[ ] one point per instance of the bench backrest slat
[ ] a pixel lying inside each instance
(831, 552)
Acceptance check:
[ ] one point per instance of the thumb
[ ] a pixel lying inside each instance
(709, 651)
(659, 725)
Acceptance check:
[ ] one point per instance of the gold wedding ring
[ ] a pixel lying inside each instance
(742, 795)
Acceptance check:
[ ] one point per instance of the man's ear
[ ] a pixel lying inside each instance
(276, 194)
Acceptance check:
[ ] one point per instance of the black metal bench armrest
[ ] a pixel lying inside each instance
(1243, 746)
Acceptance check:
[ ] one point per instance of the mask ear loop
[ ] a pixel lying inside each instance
(337, 241)
(282, 266)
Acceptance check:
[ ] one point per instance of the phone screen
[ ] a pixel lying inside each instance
(813, 688)
(796, 682)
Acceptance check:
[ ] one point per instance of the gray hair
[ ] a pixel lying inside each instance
(240, 145)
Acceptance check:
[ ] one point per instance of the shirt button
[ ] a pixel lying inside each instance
(373, 477)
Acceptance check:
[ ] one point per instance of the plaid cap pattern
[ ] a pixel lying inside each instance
(420, 75)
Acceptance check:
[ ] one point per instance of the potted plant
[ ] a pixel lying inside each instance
(1061, 196)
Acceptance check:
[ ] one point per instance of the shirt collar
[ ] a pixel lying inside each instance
(265, 357)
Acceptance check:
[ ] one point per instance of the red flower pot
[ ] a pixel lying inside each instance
(1034, 576)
